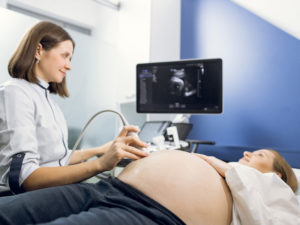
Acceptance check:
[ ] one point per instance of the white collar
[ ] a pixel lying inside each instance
(42, 83)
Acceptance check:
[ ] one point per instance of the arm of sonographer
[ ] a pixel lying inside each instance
(114, 152)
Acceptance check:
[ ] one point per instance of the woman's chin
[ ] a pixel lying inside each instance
(242, 161)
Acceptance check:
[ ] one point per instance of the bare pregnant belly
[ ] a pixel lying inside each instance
(183, 183)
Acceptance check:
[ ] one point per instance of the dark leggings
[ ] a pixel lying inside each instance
(108, 202)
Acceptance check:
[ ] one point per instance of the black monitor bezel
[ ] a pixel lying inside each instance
(182, 111)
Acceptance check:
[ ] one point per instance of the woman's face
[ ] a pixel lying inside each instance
(55, 62)
(261, 160)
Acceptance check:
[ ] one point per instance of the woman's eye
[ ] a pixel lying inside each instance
(65, 55)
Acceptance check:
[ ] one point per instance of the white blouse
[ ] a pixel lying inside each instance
(30, 123)
(261, 198)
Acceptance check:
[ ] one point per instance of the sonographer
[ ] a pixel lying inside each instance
(33, 131)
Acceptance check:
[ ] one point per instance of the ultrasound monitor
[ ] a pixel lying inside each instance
(186, 86)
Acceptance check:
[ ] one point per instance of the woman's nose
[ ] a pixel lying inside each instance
(68, 65)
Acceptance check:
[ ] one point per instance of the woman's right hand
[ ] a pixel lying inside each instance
(123, 147)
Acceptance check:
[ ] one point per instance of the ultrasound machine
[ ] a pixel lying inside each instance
(177, 87)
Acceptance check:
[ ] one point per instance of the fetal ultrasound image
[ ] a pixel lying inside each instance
(188, 87)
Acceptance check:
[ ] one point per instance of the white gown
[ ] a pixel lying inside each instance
(261, 198)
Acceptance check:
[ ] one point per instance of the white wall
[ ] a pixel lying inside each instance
(165, 30)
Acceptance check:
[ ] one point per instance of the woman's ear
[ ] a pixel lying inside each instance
(39, 52)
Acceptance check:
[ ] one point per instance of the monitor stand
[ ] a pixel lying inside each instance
(175, 118)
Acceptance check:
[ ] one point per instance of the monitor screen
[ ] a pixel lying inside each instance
(187, 86)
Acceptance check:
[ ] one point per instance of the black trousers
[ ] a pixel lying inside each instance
(110, 202)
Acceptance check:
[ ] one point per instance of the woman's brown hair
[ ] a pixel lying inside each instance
(22, 61)
(287, 174)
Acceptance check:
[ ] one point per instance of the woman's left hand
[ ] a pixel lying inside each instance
(220, 166)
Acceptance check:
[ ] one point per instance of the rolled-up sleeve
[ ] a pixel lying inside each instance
(17, 131)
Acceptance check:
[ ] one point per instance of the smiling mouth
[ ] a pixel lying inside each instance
(244, 159)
